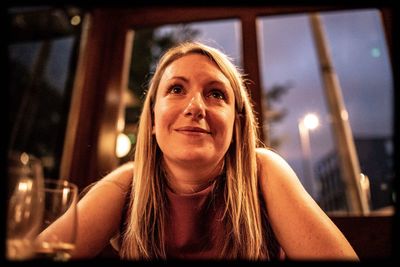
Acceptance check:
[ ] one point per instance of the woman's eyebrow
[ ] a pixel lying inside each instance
(216, 82)
(179, 78)
(209, 81)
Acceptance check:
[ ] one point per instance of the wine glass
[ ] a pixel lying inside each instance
(58, 227)
(25, 207)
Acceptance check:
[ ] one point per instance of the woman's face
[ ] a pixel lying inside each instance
(194, 112)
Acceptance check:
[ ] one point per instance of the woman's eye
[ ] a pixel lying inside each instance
(176, 89)
(218, 94)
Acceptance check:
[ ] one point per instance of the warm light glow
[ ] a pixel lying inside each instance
(65, 193)
(75, 20)
(24, 158)
(364, 181)
(344, 114)
(121, 124)
(311, 121)
(23, 186)
(123, 145)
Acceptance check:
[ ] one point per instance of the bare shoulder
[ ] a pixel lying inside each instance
(267, 154)
(270, 160)
(275, 174)
(121, 176)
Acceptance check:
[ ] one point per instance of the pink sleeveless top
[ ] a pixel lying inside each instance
(194, 225)
(195, 229)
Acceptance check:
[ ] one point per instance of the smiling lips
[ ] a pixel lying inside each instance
(192, 130)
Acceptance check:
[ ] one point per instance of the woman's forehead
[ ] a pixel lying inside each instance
(194, 66)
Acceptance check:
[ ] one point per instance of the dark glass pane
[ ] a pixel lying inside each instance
(42, 56)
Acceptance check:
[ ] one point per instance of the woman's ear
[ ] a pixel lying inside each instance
(153, 126)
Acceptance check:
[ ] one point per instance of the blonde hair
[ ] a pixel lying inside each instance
(246, 237)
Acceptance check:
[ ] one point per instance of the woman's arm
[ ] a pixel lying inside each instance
(304, 231)
(100, 210)
(99, 213)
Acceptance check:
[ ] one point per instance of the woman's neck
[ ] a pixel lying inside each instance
(184, 179)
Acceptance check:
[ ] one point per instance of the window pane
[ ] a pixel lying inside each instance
(360, 55)
(41, 66)
(150, 43)
(293, 87)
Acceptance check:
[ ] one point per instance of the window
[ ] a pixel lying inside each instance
(42, 56)
(293, 87)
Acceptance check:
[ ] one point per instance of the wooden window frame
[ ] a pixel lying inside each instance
(104, 58)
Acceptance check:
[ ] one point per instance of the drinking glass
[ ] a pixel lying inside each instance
(58, 227)
(24, 204)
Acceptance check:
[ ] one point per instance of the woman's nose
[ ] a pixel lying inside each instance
(196, 107)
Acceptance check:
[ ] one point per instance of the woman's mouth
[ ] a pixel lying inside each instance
(192, 130)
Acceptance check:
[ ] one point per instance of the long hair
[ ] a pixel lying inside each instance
(144, 236)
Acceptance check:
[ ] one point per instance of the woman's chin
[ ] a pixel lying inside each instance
(196, 158)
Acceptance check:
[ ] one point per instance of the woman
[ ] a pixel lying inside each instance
(201, 185)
